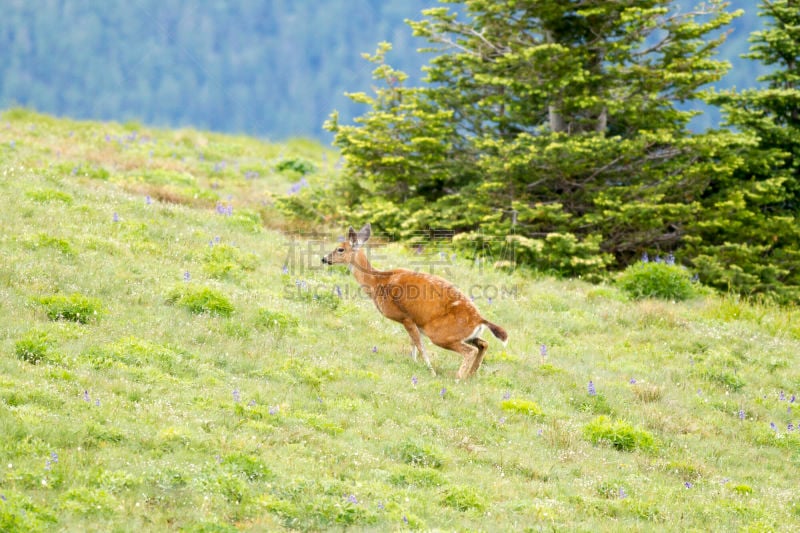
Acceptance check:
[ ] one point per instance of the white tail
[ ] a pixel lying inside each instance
(422, 303)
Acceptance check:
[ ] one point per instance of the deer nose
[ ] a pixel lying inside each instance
(324, 260)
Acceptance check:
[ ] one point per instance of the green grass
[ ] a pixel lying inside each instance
(249, 395)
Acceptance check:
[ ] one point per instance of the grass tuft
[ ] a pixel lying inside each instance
(618, 434)
(74, 307)
(199, 300)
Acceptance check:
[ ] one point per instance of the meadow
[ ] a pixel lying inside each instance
(173, 357)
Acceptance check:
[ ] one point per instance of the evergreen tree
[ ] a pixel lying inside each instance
(749, 237)
(547, 125)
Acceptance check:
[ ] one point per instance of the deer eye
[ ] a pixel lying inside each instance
(340, 250)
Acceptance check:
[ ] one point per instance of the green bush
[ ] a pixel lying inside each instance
(618, 434)
(75, 307)
(227, 262)
(247, 466)
(415, 454)
(276, 321)
(657, 280)
(32, 347)
(526, 407)
(299, 165)
(463, 499)
(200, 300)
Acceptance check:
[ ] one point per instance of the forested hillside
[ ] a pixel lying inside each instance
(273, 69)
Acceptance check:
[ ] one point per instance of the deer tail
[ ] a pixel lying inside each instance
(497, 331)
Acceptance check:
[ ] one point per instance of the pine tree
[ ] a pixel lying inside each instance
(551, 126)
(749, 236)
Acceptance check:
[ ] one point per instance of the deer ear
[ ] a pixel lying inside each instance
(364, 233)
(352, 237)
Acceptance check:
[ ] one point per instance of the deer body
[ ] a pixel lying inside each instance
(422, 303)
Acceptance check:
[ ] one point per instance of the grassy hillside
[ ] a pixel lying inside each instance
(170, 361)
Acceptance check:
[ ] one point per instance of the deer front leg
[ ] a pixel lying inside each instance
(416, 344)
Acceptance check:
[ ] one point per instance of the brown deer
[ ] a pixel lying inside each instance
(423, 303)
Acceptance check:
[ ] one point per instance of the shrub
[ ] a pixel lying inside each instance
(463, 499)
(247, 466)
(418, 455)
(223, 261)
(526, 407)
(200, 300)
(276, 321)
(618, 434)
(299, 165)
(32, 347)
(75, 307)
(656, 280)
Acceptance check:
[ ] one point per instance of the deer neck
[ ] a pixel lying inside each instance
(363, 271)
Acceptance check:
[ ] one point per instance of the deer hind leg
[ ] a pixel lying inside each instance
(416, 344)
(468, 351)
(482, 346)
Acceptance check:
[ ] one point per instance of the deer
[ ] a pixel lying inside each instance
(423, 303)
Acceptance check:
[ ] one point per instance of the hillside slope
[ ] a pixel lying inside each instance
(169, 362)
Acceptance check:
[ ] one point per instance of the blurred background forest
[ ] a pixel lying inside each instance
(274, 69)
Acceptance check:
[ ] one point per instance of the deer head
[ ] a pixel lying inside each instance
(345, 253)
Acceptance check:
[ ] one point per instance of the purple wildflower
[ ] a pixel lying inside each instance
(506, 395)
(543, 351)
(741, 414)
(645, 258)
(688, 484)
(352, 499)
(3, 497)
(285, 269)
(187, 276)
(773, 426)
(782, 397)
(86, 396)
(670, 259)
(148, 200)
(54, 457)
(115, 217)
(405, 520)
(502, 420)
(622, 494)
(251, 403)
(414, 380)
(592, 390)
(236, 395)
(338, 291)
(381, 507)
(632, 381)
(489, 300)
(273, 410)
(47, 465)
(97, 402)
(374, 349)
(442, 392)
(790, 427)
(539, 432)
